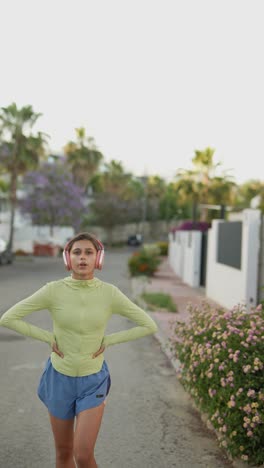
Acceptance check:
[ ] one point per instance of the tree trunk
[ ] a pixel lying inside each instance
(194, 212)
(13, 202)
(204, 213)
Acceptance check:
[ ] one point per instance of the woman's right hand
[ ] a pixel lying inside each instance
(56, 350)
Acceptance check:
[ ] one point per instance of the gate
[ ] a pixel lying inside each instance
(203, 259)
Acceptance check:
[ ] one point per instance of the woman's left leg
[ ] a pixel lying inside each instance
(87, 427)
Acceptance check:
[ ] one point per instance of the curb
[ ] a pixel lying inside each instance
(23, 258)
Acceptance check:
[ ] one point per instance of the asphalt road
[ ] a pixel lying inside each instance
(148, 420)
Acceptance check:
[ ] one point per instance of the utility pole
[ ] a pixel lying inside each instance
(144, 180)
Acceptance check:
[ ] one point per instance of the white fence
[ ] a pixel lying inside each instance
(227, 285)
(185, 255)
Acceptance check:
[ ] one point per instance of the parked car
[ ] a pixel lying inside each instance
(5, 255)
(134, 240)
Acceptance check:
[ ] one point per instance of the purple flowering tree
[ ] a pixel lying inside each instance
(52, 198)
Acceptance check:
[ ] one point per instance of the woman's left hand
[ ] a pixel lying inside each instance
(100, 351)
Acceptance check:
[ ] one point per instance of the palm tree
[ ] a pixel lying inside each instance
(83, 157)
(20, 150)
(113, 179)
(249, 190)
(201, 185)
(204, 164)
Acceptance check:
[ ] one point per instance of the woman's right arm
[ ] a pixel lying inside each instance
(12, 318)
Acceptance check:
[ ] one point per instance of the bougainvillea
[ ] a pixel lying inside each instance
(192, 225)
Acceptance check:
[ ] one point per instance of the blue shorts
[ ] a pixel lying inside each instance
(66, 396)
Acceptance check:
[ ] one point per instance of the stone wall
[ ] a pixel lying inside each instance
(151, 231)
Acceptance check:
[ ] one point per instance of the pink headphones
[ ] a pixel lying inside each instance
(98, 261)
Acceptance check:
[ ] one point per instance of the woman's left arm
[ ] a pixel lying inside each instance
(122, 305)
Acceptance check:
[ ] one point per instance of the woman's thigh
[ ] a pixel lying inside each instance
(63, 432)
(87, 427)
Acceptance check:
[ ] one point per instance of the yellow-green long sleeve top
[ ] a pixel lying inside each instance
(80, 310)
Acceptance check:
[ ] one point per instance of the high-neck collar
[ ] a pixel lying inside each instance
(82, 283)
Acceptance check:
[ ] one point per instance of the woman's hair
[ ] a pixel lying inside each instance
(83, 236)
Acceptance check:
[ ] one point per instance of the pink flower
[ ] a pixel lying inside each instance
(231, 404)
(247, 409)
(227, 315)
(223, 382)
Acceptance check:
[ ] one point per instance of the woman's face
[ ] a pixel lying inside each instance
(83, 255)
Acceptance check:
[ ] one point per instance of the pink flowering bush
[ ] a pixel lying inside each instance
(222, 367)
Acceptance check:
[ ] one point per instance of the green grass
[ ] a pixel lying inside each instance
(158, 300)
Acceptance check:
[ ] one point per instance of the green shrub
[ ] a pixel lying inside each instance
(152, 249)
(143, 262)
(159, 300)
(163, 246)
(21, 252)
(221, 356)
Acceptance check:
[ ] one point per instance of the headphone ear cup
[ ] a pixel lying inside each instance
(66, 259)
(99, 259)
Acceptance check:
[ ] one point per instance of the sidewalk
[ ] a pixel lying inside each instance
(166, 281)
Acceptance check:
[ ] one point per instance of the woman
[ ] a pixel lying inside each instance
(76, 378)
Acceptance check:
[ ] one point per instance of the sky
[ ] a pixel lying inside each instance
(151, 80)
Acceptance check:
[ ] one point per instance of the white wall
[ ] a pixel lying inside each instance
(261, 263)
(192, 258)
(25, 235)
(185, 255)
(179, 245)
(177, 252)
(172, 249)
(227, 285)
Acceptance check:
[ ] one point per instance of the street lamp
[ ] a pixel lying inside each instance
(143, 180)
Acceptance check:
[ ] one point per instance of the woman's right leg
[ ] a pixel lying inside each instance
(63, 432)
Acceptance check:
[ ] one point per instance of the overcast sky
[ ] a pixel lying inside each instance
(151, 81)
